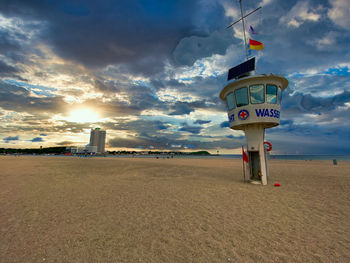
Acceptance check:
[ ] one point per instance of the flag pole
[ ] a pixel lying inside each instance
(245, 39)
(243, 17)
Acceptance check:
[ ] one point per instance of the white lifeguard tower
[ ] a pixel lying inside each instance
(253, 104)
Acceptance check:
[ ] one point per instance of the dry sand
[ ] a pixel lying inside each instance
(56, 209)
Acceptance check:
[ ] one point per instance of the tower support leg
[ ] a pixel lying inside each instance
(257, 159)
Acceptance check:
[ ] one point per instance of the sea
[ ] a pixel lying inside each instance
(306, 157)
(302, 157)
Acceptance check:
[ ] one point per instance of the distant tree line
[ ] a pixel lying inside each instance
(62, 150)
(49, 150)
(159, 153)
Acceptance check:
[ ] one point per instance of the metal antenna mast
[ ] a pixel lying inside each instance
(245, 39)
(242, 18)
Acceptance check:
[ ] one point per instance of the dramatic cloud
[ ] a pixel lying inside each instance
(165, 143)
(5, 69)
(225, 124)
(339, 13)
(191, 129)
(150, 72)
(11, 138)
(64, 143)
(37, 139)
(202, 122)
(190, 49)
(300, 13)
(124, 31)
(13, 96)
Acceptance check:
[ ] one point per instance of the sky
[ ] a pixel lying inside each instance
(150, 73)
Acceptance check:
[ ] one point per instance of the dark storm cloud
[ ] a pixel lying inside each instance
(64, 143)
(310, 138)
(11, 138)
(306, 103)
(312, 104)
(191, 129)
(18, 99)
(7, 43)
(202, 122)
(193, 48)
(317, 43)
(9, 49)
(286, 122)
(225, 124)
(208, 89)
(143, 97)
(38, 125)
(5, 69)
(181, 108)
(16, 41)
(105, 86)
(37, 139)
(147, 66)
(314, 130)
(162, 82)
(110, 32)
(11, 44)
(150, 134)
(323, 84)
(140, 97)
(238, 137)
(134, 38)
(333, 109)
(312, 125)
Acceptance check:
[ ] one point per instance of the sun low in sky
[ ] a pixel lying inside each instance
(83, 115)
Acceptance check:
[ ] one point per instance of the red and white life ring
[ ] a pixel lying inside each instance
(268, 146)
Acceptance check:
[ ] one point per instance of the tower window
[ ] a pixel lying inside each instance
(241, 96)
(271, 94)
(257, 94)
(230, 102)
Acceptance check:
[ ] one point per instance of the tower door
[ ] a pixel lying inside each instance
(255, 167)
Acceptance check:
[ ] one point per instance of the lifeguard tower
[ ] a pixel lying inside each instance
(253, 104)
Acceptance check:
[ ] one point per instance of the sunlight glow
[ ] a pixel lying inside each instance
(83, 116)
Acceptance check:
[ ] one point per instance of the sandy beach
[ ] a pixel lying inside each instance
(70, 209)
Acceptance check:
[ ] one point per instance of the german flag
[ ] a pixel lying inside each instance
(253, 44)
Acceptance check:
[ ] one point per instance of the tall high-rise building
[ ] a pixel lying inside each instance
(98, 139)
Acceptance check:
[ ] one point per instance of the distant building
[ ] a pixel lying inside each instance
(98, 140)
(77, 149)
(72, 149)
(91, 149)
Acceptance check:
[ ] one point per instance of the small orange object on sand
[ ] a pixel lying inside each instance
(277, 184)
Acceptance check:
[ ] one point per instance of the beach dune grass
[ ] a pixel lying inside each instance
(56, 209)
